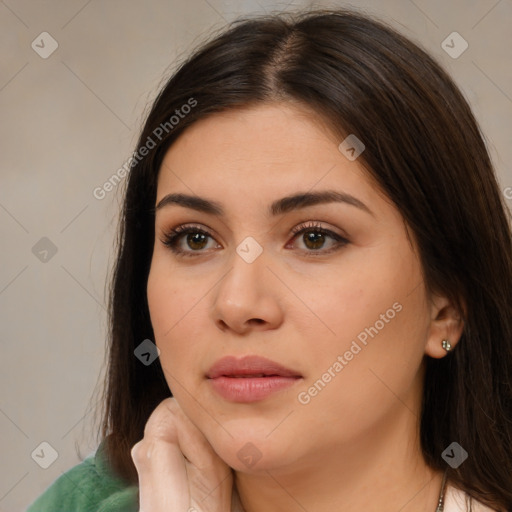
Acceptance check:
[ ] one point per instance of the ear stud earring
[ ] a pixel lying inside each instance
(446, 345)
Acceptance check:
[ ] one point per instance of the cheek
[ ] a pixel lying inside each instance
(374, 316)
(174, 307)
(359, 299)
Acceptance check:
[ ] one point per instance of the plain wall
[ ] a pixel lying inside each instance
(70, 120)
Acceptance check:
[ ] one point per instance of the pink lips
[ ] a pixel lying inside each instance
(250, 378)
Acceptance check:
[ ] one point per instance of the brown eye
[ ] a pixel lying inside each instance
(195, 240)
(315, 237)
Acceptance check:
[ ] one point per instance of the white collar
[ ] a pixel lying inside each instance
(455, 501)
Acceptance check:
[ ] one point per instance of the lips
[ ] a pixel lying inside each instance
(249, 366)
(249, 379)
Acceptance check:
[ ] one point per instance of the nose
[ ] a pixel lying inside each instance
(246, 298)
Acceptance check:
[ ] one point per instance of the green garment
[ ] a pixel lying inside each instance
(89, 486)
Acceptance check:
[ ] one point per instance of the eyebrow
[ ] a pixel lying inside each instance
(278, 207)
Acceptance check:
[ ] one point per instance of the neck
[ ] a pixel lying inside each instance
(382, 471)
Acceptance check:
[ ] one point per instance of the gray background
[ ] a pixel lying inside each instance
(69, 121)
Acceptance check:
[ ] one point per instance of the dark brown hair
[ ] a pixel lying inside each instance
(423, 149)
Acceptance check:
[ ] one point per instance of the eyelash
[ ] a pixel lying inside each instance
(172, 238)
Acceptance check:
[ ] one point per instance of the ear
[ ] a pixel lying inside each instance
(445, 324)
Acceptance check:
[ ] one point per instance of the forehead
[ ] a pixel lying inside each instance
(264, 144)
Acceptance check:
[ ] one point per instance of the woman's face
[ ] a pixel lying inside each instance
(343, 308)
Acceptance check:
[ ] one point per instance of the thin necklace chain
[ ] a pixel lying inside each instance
(440, 501)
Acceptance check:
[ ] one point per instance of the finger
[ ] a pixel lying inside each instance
(195, 447)
(169, 423)
(175, 450)
(163, 480)
(210, 478)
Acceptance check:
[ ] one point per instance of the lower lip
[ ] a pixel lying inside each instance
(250, 389)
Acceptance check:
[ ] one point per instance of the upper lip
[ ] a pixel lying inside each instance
(247, 366)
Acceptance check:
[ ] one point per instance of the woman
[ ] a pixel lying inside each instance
(314, 237)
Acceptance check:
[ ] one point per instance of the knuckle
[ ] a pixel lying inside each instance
(170, 405)
(139, 453)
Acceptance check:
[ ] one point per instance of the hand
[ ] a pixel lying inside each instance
(177, 467)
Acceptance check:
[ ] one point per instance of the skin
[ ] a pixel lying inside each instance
(355, 445)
